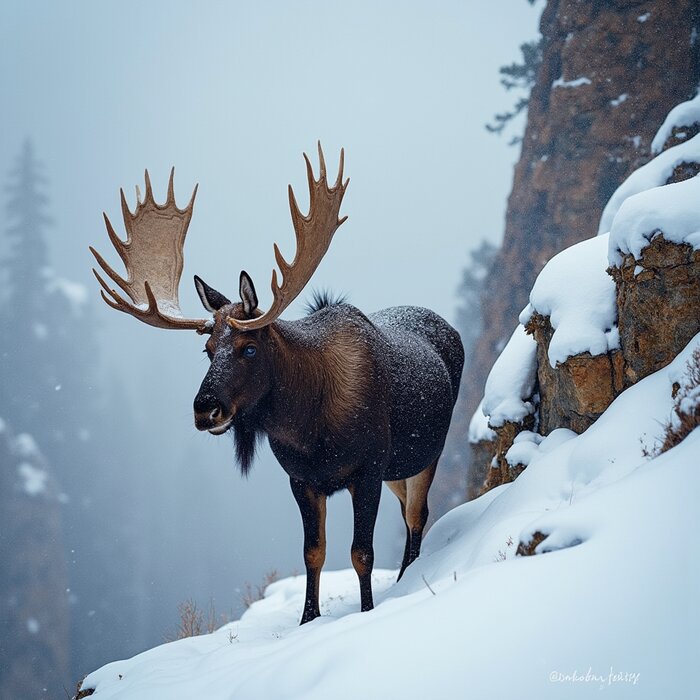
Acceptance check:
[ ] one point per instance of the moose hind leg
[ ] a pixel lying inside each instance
(313, 514)
(398, 488)
(365, 503)
(417, 488)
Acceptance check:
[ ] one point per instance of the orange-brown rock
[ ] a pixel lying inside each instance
(527, 549)
(659, 307)
(499, 471)
(483, 453)
(581, 142)
(576, 392)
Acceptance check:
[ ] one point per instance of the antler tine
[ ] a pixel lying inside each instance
(153, 257)
(126, 212)
(149, 189)
(339, 179)
(119, 245)
(171, 187)
(110, 271)
(314, 233)
(322, 163)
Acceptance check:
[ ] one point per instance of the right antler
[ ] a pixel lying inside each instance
(153, 257)
(314, 233)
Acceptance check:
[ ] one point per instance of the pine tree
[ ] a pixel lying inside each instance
(52, 391)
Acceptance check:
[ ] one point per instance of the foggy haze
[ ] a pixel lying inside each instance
(231, 94)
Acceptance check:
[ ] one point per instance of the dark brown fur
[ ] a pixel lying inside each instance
(346, 401)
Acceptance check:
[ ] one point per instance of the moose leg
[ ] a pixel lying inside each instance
(398, 488)
(365, 503)
(417, 488)
(313, 514)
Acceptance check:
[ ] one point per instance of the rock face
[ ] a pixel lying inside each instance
(34, 621)
(659, 307)
(576, 392)
(500, 472)
(610, 74)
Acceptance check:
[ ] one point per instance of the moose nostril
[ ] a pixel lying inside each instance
(216, 413)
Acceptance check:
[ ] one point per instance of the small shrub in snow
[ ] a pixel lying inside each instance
(250, 595)
(193, 621)
(686, 407)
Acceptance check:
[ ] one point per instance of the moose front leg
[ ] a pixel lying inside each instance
(313, 514)
(365, 494)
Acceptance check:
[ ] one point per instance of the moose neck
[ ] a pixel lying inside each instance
(317, 382)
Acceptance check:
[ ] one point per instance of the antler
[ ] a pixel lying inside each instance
(314, 233)
(153, 257)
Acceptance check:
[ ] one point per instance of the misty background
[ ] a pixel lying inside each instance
(231, 94)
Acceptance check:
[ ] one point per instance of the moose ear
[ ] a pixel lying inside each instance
(211, 299)
(247, 292)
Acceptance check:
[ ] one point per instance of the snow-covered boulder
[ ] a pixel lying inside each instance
(654, 254)
(510, 405)
(573, 318)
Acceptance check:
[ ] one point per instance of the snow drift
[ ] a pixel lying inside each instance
(609, 602)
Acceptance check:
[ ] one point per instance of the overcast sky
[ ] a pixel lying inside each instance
(232, 93)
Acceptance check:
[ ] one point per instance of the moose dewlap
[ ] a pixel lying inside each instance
(346, 400)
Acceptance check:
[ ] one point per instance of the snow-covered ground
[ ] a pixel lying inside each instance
(608, 608)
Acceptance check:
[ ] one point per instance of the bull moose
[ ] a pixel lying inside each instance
(346, 400)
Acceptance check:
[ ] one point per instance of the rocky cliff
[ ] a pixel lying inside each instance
(610, 73)
(606, 312)
(34, 594)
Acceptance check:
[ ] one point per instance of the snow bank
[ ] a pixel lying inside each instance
(654, 174)
(479, 426)
(684, 114)
(612, 607)
(511, 382)
(673, 209)
(578, 295)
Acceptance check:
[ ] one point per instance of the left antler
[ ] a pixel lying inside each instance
(314, 233)
(153, 256)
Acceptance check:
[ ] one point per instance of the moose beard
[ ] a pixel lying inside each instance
(246, 438)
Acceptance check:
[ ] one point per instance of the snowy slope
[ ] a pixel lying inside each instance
(613, 610)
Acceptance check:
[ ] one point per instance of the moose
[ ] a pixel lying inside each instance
(346, 400)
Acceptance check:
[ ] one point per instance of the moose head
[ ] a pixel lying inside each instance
(239, 343)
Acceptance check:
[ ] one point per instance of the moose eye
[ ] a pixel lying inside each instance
(249, 351)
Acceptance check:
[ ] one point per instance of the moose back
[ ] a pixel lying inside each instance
(346, 400)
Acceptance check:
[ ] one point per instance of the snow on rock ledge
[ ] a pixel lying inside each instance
(577, 294)
(479, 429)
(511, 382)
(654, 174)
(682, 121)
(672, 209)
